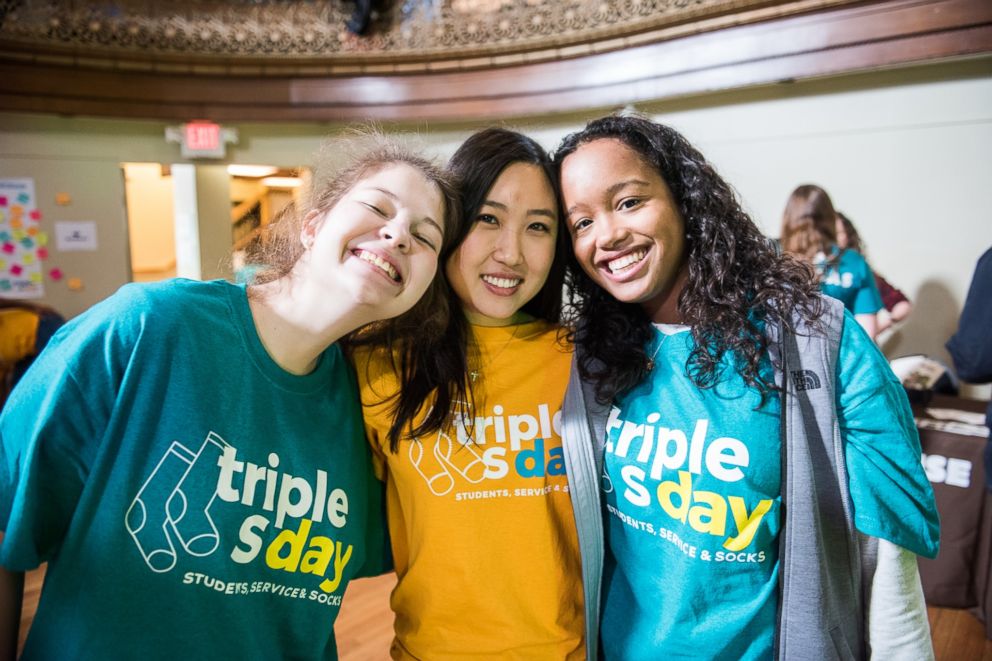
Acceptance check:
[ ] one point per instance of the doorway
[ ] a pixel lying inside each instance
(211, 212)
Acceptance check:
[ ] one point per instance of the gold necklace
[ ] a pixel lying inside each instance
(650, 363)
(474, 374)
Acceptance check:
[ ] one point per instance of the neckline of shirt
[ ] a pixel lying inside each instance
(671, 329)
(489, 335)
(298, 383)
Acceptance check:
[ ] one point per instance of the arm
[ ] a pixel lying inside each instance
(888, 318)
(11, 595)
(869, 323)
(379, 552)
(376, 388)
(891, 496)
(47, 430)
(900, 310)
(896, 614)
(970, 347)
(883, 321)
(867, 300)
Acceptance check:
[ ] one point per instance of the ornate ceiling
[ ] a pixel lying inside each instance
(286, 60)
(412, 32)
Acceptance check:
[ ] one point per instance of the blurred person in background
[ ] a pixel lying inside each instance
(971, 346)
(25, 329)
(809, 232)
(896, 305)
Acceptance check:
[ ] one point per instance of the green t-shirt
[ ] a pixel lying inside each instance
(192, 499)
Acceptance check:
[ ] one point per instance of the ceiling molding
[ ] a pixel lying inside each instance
(287, 37)
(837, 40)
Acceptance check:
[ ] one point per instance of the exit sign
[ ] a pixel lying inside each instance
(201, 138)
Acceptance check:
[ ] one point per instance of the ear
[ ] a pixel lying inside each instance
(311, 225)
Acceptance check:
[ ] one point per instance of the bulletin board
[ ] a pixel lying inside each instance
(23, 244)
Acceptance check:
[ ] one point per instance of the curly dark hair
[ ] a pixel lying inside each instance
(445, 388)
(737, 282)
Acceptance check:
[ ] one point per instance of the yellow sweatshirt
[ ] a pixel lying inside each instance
(479, 514)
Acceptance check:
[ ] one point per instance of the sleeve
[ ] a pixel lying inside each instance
(377, 387)
(891, 296)
(897, 625)
(891, 495)
(378, 550)
(867, 300)
(48, 433)
(971, 346)
(54, 423)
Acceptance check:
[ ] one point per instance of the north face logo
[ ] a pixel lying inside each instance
(805, 380)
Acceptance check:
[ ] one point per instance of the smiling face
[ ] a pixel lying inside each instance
(506, 256)
(627, 231)
(380, 241)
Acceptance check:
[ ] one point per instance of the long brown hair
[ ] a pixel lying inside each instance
(809, 223)
(854, 241)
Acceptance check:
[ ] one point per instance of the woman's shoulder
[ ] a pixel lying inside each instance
(165, 296)
(157, 309)
(377, 370)
(852, 259)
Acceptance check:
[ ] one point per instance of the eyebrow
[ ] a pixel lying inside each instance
(390, 194)
(530, 212)
(611, 191)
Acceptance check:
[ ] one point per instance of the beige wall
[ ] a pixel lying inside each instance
(97, 194)
(904, 153)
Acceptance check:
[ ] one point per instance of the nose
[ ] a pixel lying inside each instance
(396, 232)
(611, 234)
(507, 249)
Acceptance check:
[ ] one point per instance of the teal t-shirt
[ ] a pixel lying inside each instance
(192, 499)
(847, 277)
(692, 486)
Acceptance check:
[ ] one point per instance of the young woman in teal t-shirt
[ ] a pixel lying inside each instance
(189, 458)
(675, 292)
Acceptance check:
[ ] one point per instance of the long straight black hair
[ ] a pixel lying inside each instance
(446, 389)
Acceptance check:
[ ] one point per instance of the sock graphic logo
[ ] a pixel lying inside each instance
(479, 451)
(436, 465)
(173, 505)
(284, 526)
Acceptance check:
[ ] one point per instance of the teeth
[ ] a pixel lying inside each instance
(372, 258)
(626, 261)
(502, 283)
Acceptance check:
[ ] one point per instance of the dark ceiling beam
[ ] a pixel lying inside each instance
(848, 39)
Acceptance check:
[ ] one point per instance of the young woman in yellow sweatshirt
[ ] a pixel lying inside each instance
(479, 513)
